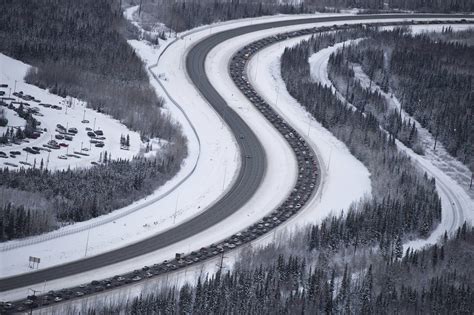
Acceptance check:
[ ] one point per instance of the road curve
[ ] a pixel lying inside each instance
(248, 179)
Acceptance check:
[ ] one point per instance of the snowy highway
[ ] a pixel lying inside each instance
(245, 185)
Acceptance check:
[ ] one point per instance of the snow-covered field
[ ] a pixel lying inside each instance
(72, 112)
(216, 155)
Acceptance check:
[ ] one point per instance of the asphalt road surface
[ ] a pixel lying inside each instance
(248, 180)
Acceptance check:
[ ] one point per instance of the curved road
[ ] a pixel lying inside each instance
(249, 177)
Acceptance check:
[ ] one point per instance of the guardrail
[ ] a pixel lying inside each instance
(60, 233)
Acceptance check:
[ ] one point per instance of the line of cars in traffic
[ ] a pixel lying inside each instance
(307, 181)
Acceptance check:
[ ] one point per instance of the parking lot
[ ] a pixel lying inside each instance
(49, 131)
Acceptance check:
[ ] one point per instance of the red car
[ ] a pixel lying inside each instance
(62, 144)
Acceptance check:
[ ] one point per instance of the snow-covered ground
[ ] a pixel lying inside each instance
(346, 179)
(72, 112)
(217, 145)
(451, 176)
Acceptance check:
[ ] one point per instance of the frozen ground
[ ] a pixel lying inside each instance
(450, 175)
(72, 113)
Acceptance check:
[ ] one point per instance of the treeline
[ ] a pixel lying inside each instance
(342, 75)
(375, 6)
(405, 202)
(82, 194)
(181, 15)
(14, 134)
(444, 6)
(435, 280)
(432, 78)
(79, 49)
(17, 222)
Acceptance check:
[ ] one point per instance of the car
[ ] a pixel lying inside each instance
(59, 137)
(99, 288)
(79, 293)
(62, 144)
(91, 134)
(84, 121)
(136, 278)
(68, 138)
(100, 145)
(58, 299)
(99, 132)
(72, 130)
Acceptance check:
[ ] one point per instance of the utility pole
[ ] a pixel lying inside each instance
(87, 242)
(309, 123)
(34, 294)
(256, 67)
(329, 162)
(220, 265)
(175, 209)
(278, 94)
(225, 172)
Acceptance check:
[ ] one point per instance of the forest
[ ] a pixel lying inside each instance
(79, 195)
(342, 75)
(404, 202)
(432, 76)
(79, 48)
(181, 15)
(293, 278)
